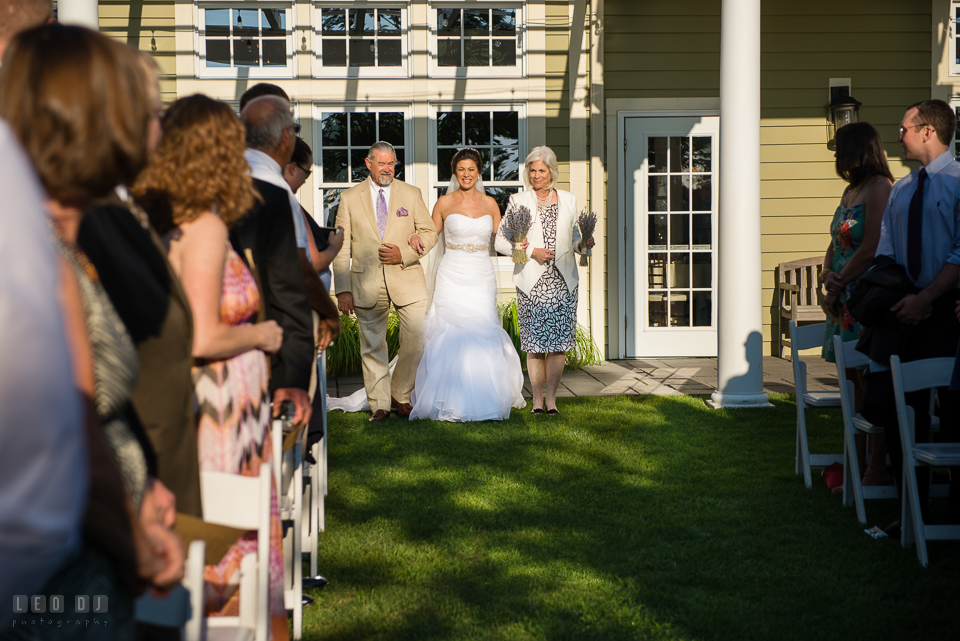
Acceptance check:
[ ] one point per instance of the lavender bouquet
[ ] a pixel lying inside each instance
(587, 223)
(519, 221)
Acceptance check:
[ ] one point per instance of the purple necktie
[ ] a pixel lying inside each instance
(915, 227)
(381, 214)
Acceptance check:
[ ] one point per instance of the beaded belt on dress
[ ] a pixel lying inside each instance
(469, 247)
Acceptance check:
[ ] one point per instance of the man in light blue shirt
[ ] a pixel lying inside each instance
(921, 232)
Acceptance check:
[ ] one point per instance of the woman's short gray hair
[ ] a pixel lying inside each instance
(545, 155)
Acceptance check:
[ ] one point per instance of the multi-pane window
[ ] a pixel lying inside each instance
(361, 37)
(495, 135)
(679, 231)
(344, 141)
(956, 136)
(955, 39)
(477, 37)
(248, 37)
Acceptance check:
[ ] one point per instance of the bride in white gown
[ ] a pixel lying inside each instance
(470, 370)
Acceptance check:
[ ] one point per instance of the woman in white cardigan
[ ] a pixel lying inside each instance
(547, 283)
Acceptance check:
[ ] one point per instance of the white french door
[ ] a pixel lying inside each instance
(670, 194)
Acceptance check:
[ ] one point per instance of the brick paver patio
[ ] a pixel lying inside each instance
(658, 376)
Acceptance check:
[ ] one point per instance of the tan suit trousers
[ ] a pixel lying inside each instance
(372, 323)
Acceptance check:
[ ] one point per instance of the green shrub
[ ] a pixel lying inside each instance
(343, 358)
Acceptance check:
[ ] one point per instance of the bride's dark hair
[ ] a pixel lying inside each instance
(467, 153)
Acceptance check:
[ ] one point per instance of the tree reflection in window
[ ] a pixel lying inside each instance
(345, 139)
(364, 37)
(495, 135)
(235, 37)
(477, 37)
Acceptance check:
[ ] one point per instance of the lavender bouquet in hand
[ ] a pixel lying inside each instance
(587, 223)
(519, 221)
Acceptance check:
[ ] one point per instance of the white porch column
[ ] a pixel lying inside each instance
(84, 13)
(740, 326)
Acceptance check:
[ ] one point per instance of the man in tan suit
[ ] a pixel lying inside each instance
(376, 267)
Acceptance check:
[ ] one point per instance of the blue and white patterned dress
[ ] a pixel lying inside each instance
(548, 315)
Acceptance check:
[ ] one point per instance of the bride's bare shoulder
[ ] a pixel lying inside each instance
(490, 205)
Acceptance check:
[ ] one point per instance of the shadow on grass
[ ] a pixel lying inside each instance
(626, 518)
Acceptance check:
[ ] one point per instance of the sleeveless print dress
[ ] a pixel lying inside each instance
(548, 316)
(233, 412)
(846, 234)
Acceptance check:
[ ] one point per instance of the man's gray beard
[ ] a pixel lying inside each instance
(379, 179)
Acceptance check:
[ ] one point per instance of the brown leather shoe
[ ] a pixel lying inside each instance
(403, 409)
(379, 416)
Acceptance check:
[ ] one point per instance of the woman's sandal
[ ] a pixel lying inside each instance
(553, 412)
(537, 410)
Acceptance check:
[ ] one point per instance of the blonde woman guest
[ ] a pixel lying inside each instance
(547, 283)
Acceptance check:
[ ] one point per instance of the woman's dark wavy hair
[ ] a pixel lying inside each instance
(860, 153)
(467, 153)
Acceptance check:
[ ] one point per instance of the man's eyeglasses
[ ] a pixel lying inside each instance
(296, 128)
(904, 130)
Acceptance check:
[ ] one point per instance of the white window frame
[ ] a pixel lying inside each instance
(200, 44)
(519, 71)
(955, 105)
(322, 71)
(502, 264)
(952, 34)
(319, 108)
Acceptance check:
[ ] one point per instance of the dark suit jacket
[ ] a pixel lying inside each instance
(319, 238)
(880, 288)
(268, 232)
(147, 295)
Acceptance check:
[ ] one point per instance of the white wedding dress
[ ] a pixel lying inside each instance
(470, 370)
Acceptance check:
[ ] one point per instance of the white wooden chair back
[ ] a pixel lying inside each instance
(854, 492)
(243, 502)
(910, 377)
(289, 464)
(806, 337)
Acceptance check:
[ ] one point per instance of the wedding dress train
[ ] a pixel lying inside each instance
(470, 370)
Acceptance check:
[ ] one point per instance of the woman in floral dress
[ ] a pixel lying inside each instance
(195, 187)
(854, 235)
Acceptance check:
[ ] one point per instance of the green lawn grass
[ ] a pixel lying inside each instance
(625, 518)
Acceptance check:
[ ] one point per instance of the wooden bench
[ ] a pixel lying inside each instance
(798, 282)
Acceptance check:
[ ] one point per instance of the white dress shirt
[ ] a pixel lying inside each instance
(265, 168)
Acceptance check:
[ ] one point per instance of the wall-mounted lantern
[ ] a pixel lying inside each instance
(844, 108)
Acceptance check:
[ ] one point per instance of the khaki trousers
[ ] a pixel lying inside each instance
(372, 323)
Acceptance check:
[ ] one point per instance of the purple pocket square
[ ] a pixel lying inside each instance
(402, 212)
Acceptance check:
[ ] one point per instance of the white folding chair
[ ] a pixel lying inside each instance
(183, 606)
(854, 492)
(290, 494)
(910, 377)
(314, 475)
(242, 502)
(807, 337)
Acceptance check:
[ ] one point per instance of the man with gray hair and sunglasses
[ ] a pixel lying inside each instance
(377, 267)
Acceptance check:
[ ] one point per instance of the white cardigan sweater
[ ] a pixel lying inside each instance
(526, 275)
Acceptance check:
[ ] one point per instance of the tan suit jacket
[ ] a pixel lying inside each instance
(357, 268)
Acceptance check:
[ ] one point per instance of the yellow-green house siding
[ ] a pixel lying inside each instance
(671, 49)
(148, 26)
